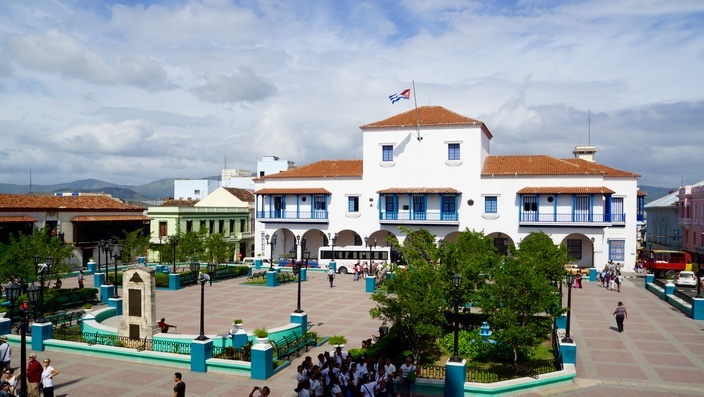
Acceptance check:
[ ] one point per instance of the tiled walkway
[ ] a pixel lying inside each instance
(661, 352)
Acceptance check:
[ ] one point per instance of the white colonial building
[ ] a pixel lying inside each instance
(432, 169)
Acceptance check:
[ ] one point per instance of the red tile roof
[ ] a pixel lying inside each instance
(643, 194)
(179, 203)
(21, 218)
(66, 203)
(547, 165)
(566, 190)
(322, 169)
(242, 194)
(110, 218)
(419, 190)
(293, 191)
(426, 116)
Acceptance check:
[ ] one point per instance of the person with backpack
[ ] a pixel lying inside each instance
(618, 280)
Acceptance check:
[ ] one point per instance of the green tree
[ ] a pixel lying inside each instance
(415, 311)
(17, 257)
(134, 245)
(216, 248)
(410, 303)
(191, 246)
(519, 296)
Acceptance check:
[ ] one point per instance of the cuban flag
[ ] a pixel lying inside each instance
(405, 94)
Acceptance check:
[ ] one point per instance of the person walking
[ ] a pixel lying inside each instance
(5, 353)
(618, 280)
(48, 378)
(81, 280)
(621, 314)
(34, 376)
(180, 386)
(331, 276)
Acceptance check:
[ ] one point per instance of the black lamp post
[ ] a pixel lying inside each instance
(271, 244)
(13, 292)
(117, 257)
(101, 245)
(106, 251)
(173, 240)
(698, 275)
(297, 271)
(457, 283)
(369, 244)
(333, 240)
(42, 269)
(202, 279)
(569, 278)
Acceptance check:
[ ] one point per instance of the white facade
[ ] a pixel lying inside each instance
(440, 176)
(273, 165)
(194, 189)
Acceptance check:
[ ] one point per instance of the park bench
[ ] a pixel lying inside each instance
(307, 339)
(64, 320)
(188, 279)
(281, 348)
(257, 276)
(284, 277)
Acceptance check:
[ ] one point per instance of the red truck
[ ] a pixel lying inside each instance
(665, 262)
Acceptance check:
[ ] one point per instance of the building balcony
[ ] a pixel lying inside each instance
(317, 216)
(421, 218)
(685, 221)
(570, 219)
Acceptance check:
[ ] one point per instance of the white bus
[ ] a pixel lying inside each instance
(347, 257)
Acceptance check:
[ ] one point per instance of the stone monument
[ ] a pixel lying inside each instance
(138, 305)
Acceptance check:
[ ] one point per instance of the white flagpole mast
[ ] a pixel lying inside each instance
(415, 101)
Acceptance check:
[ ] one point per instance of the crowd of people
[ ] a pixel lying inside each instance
(340, 376)
(39, 377)
(610, 277)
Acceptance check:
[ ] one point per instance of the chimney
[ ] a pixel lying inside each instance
(584, 152)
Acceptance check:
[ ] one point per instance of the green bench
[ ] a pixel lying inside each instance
(281, 348)
(257, 276)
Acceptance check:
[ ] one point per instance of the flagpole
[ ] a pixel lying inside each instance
(415, 101)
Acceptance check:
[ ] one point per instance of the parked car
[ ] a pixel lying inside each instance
(686, 278)
(574, 269)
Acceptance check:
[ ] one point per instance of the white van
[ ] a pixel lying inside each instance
(249, 261)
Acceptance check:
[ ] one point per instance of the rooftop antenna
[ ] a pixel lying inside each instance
(589, 120)
(415, 101)
(30, 179)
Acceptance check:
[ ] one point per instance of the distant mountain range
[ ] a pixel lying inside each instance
(157, 190)
(163, 188)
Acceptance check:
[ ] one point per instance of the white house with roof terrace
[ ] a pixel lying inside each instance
(432, 169)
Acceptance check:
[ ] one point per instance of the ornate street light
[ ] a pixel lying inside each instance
(117, 257)
(297, 271)
(569, 278)
(202, 279)
(271, 244)
(333, 240)
(457, 283)
(101, 244)
(173, 240)
(106, 251)
(369, 243)
(42, 269)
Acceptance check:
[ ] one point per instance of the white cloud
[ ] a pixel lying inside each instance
(241, 85)
(171, 88)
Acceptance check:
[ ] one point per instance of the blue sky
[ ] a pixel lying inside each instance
(133, 91)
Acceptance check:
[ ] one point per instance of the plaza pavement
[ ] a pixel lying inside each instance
(661, 352)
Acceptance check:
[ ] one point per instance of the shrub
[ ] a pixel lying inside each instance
(337, 340)
(260, 332)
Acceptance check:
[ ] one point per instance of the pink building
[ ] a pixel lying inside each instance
(691, 211)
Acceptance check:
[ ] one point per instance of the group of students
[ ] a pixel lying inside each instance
(340, 376)
(610, 277)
